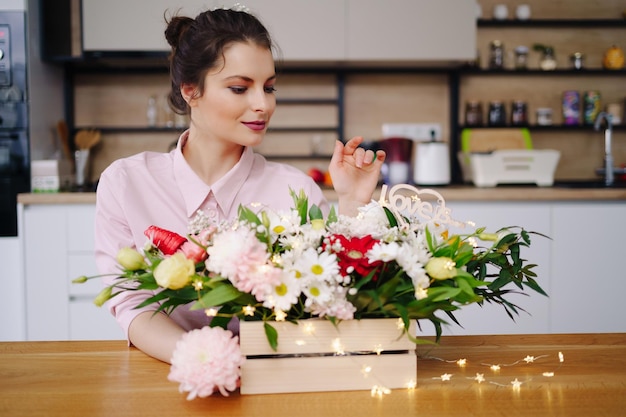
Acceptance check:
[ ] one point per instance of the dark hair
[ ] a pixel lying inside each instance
(198, 45)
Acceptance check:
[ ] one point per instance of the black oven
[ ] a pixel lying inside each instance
(14, 141)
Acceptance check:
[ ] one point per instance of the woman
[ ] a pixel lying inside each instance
(223, 75)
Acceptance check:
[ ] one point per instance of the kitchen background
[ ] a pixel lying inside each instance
(323, 100)
(350, 66)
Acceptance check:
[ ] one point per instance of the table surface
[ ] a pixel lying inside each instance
(106, 378)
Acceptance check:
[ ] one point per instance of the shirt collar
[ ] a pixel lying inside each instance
(195, 192)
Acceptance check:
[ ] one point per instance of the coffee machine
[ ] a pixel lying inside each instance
(14, 141)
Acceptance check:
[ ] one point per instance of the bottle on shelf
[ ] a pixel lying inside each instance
(152, 112)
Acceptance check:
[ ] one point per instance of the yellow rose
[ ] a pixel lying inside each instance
(130, 259)
(174, 272)
(441, 268)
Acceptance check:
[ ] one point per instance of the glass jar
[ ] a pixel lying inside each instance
(519, 113)
(544, 116)
(577, 59)
(521, 57)
(497, 114)
(473, 113)
(496, 57)
(548, 61)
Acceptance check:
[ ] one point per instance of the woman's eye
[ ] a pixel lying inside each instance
(238, 89)
(270, 89)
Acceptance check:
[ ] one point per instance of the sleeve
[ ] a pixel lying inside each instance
(113, 232)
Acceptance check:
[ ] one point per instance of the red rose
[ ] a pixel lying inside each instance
(353, 254)
(166, 241)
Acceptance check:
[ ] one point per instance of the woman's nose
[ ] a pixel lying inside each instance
(262, 101)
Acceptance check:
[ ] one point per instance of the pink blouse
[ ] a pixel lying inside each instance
(161, 189)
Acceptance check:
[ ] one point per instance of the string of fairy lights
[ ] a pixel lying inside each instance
(379, 390)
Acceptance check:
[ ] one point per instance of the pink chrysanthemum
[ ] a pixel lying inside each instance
(206, 360)
(239, 256)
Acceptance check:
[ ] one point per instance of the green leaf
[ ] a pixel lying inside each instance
(245, 214)
(272, 335)
(332, 216)
(315, 213)
(393, 222)
(218, 296)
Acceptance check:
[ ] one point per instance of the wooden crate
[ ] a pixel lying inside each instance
(307, 358)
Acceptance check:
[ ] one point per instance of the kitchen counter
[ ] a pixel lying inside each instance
(108, 378)
(450, 193)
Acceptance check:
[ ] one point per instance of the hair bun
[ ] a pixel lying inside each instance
(176, 28)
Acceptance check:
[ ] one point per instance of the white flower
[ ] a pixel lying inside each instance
(285, 294)
(385, 252)
(317, 266)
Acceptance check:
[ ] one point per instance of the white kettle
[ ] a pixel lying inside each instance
(432, 163)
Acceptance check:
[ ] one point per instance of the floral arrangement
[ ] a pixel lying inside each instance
(395, 259)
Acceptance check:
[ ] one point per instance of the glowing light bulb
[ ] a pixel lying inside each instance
(248, 310)
(461, 362)
(280, 315)
(379, 391)
(338, 347)
(211, 312)
(308, 328)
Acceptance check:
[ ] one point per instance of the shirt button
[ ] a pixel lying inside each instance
(211, 213)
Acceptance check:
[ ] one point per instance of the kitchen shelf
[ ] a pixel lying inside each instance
(554, 127)
(539, 72)
(553, 23)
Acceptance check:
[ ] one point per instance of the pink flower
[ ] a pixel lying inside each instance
(193, 251)
(206, 360)
(241, 258)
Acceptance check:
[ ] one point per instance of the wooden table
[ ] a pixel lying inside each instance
(109, 379)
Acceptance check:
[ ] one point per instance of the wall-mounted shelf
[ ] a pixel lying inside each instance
(554, 127)
(538, 72)
(553, 23)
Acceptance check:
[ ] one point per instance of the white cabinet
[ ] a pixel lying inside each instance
(321, 31)
(406, 30)
(58, 247)
(588, 278)
(491, 318)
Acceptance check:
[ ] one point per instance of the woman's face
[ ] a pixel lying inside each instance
(238, 99)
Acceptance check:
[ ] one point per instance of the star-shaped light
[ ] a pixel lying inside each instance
(529, 359)
(211, 312)
(516, 384)
(280, 315)
(495, 368)
(446, 377)
(379, 391)
(248, 310)
(198, 285)
(461, 362)
(479, 378)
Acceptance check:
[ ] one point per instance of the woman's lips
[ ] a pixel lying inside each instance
(255, 125)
